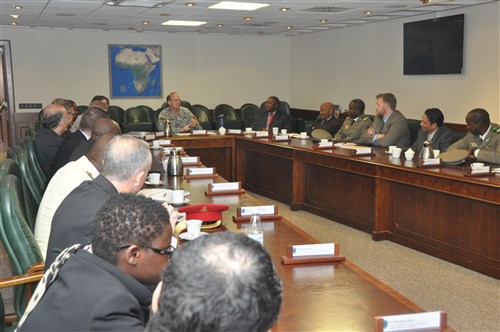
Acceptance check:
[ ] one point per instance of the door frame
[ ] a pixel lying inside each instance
(9, 89)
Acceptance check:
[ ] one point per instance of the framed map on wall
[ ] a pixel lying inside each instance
(135, 71)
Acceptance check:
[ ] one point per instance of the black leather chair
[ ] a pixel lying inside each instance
(187, 105)
(227, 110)
(249, 113)
(81, 109)
(117, 114)
(203, 116)
(414, 127)
(298, 125)
(18, 240)
(138, 119)
(9, 166)
(283, 106)
(29, 146)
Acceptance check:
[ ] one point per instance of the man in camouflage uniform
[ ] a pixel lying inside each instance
(355, 124)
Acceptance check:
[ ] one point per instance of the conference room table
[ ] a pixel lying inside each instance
(442, 211)
(331, 296)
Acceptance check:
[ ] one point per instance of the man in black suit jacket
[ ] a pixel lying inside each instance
(273, 117)
(326, 119)
(89, 117)
(104, 290)
(53, 120)
(432, 129)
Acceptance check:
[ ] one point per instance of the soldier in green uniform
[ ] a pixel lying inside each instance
(355, 124)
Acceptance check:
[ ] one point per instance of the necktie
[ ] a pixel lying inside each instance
(270, 119)
(381, 127)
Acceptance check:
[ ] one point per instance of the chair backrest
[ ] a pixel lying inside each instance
(227, 110)
(298, 125)
(29, 145)
(32, 193)
(283, 107)
(186, 104)
(150, 112)
(249, 113)
(9, 166)
(198, 108)
(136, 115)
(413, 127)
(117, 114)
(81, 109)
(16, 235)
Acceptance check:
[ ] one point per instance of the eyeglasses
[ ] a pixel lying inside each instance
(164, 252)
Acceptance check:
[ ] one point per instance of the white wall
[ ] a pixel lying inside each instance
(204, 69)
(362, 61)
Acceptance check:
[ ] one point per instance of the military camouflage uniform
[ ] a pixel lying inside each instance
(350, 132)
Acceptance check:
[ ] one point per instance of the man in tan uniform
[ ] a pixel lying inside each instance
(355, 124)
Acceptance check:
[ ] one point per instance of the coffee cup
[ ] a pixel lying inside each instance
(303, 134)
(409, 154)
(193, 228)
(156, 144)
(436, 153)
(248, 129)
(176, 196)
(154, 178)
(276, 130)
(396, 152)
(283, 131)
(391, 147)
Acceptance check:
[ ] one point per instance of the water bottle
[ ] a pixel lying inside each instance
(255, 230)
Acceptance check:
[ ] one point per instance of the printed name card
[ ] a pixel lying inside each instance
(149, 137)
(225, 186)
(199, 132)
(363, 150)
(411, 322)
(431, 161)
(312, 253)
(200, 171)
(261, 134)
(343, 144)
(479, 170)
(280, 138)
(189, 160)
(159, 134)
(313, 249)
(261, 210)
(234, 131)
(164, 141)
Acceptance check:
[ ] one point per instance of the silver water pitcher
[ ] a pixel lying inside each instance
(168, 129)
(426, 152)
(173, 163)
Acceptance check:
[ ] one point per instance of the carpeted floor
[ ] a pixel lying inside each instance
(472, 300)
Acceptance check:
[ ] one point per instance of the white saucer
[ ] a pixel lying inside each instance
(149, 183)
(186, 201)
(154, 148)
(185, 236)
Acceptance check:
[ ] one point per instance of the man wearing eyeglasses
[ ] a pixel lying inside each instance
(104, 290)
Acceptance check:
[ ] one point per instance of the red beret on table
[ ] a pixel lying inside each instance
(210, 214)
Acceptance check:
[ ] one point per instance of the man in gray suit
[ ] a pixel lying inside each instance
(433, 130)
(355, 124)
(483, 139)
(389, 126)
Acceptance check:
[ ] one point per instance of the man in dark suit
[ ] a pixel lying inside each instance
(389, 126)
(89, 117)
(48, 138)
(433, 130)
(326, 119)
(273, 118)
(104, 289)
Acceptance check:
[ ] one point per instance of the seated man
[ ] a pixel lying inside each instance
(389, 126)
(49, 136)
(483, 139)
(126, 164)
(102, 287)
(326, 119)
(62, 183)
(273, 117)
(433, 130)
(101, 102)
(355, 124)
(181, 119)
(221, 282)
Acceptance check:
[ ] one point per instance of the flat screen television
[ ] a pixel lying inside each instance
(435, 46)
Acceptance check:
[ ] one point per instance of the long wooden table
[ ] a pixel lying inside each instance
(317, 296)
(435, 210)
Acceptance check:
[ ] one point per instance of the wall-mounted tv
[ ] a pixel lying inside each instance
(435, 46)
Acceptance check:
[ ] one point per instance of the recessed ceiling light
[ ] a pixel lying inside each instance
(164, 14)
(231, 5)
(284, 9)
(220, 25)
(17, 7)
(190, 4)
(290, 27)
(184, 23)
(367, 12)
(323, 21)
(13, 23)
(14, 15)
(248, 18)
(146, 22)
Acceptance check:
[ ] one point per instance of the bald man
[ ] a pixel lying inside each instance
(101, 127)
(49, 137)
(63, 182)
(326, 119)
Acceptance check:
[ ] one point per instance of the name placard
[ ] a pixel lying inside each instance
(234, 131)
(165, 141)
(261, 134)
(159, 134)
(225, 186)
(325, 144)
(411, 322)
(280, 138)
(199, 132)
(431, 161)
(363, 150)
(200, 171)
(261, 210)
(483, 169)
(319, 249)
(187, 160)
(149, 137)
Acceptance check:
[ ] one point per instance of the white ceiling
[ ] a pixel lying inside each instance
(302, 16)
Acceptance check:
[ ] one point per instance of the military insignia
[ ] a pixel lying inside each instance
(204, 209)
(495, 129)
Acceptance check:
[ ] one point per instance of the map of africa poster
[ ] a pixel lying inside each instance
(135, 70)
